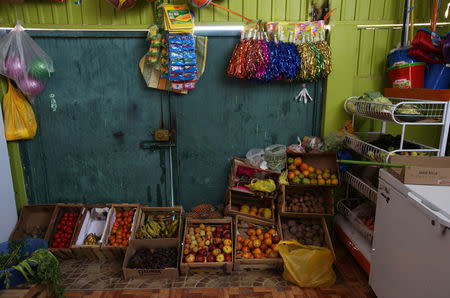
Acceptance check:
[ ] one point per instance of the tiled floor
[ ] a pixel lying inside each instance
(87, 276)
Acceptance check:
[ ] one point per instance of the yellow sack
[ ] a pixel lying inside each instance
(20, 123)
(307, 265)
(267, 185)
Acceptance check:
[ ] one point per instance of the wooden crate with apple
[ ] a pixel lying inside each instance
(207, 246)
(237, 203)
(256, 244)
(306, 200)
(319, 169)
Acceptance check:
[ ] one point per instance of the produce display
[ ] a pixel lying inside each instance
(158, 226)
(158, 258)
(306, 201)
(121, 230)
(390, 143)
(302, 173)
(308, 231)
(34, 232)
(65, 229)
(256, 242)
(253, 210)
(91, 239)
(204, 211)
(211, 243)
(369, 222)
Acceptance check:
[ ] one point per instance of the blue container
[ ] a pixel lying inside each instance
(16, 277)
(437, 76)
(400, 56)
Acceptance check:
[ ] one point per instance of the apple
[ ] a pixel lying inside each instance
(227, 249)
(217, 241)
(216, 252)
(227, 235)
(226, 226)
(211, 258)
(220, 258)
(191, 233)
(221, 245)
(202, 252)
(202, 233)
(227, 258)
(227, 242)
(276, 239)
(207, 242)
(209, 234)
(199, 258)
(190, 258)
(194, 243)
(218, 235)
(213, 229)
(188, 241)
(219, 229)
(202, 226)
(195, 249)
(263, 247)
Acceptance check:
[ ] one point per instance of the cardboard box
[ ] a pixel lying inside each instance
(326, 192)
(176, 211)
(284, 219)
(427, 170)
(93, 220)
(33, 216)
(60, 209)
(234, 200)
(255, 264)
(150, 273)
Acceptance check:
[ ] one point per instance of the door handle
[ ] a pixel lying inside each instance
(387, 198)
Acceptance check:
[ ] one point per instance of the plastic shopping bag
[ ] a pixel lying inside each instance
(22, 60)
(307, 265)
(267, 185)
(20, 123)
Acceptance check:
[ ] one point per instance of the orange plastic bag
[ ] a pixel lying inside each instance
(20, 123)
(307, 265)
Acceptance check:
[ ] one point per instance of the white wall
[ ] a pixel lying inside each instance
(8, 213)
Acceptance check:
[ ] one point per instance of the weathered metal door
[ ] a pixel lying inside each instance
(87, 145)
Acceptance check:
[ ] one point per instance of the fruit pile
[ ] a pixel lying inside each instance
(64, 230)
(253, 210)
(158, 258)
(158, 226)
(307, 231)
(208, 244)
(301, 173)
(369, 222)
(121, 230)
(257, 243)
(305, 202)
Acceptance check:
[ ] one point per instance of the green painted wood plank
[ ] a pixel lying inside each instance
(365, 52)
(221, 15)
(17, 175)
(106, 13)
(133, 16)
(207, 15)
(5, 14)
(250, 9)
(357, 46)
(278, 10)
(147, 14)
(348, 10)
(74, 13)
(265, 10)
(395, 37)
(59, 12)
(30, 15)
(45, 12)
(119, 17)
(362, 10)
(235, 5)
(393, 10)
(379, 52)
(292, 10)
(90, 11)
(377, 10)
(305, 8)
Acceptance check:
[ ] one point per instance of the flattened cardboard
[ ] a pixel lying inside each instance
(425, 170)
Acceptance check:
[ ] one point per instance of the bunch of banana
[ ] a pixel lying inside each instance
(158, 227)
(91, 239)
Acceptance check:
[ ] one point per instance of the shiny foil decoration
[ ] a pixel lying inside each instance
(325, 51)
(273, 69)
(254, 57)
(265, 60)
(319, 61)
(236, 68)
(308, 69)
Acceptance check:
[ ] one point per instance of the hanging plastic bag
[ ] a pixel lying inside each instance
(267, 185)
(22, 60)
(307, 265)
(20, 123)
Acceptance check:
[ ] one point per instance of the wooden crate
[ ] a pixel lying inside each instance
(322, 160)
(235, 164)
(213, 267)
(233, 200)
(117, 252)
(282, 219)
(33, 216)
(150, 273)
(144, 211)
(91, 252)
(255, 264)
(327, 193)
(63, 253)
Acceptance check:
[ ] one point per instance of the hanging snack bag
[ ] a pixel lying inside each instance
(22, 60)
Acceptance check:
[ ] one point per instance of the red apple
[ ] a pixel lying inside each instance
(190, 258)
(199, 258)
(219, 230)
(217, 241)
(211, 258)
(227, 235)
(221, 245)
(226, 226)
(202, 252)
(227, 258)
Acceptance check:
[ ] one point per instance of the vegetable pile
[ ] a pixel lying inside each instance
(302, 173)
(305, 202)
(159, 258)
(121, 230)
(307, 231)
(65, 229)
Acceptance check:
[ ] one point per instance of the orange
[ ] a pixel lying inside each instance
(125, 213)
(246, 242)
(261, 237)
(253, 212)
(256, 251)
(334, 181)
(297, 161)
(240, 239)
(251, 232)
(253, 237)
(297, 172)
(239, 246)
(266, 235)
(268, 241)
(292, 167)
(304, 166)
(305, 173)
(258, 231)
(245, 249)
(319, 172)
(272, 232)
(250, 245)
(311, 169)
(321, 182)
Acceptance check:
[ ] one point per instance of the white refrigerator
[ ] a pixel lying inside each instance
(411, 243)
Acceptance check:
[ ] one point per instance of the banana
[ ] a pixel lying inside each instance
(151, 230)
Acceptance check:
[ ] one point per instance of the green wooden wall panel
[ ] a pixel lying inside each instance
(379, 50)
(377, 10)
(74, 14)
(220, 15)
(278, 10)
(235, 5)
(305, 8)
(292, 10)
(365, 52)
(393, 10)
(250, 8)
(265, 9)
(348, 10)
(363, 9)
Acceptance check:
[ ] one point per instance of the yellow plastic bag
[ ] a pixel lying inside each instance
(267, 185)
(307, 265)
(20, 123)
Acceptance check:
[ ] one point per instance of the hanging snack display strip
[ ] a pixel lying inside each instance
(182, 61)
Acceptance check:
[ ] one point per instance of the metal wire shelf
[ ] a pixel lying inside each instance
(354, 220)
(361, 186)
(378, 154)
(401, 111)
